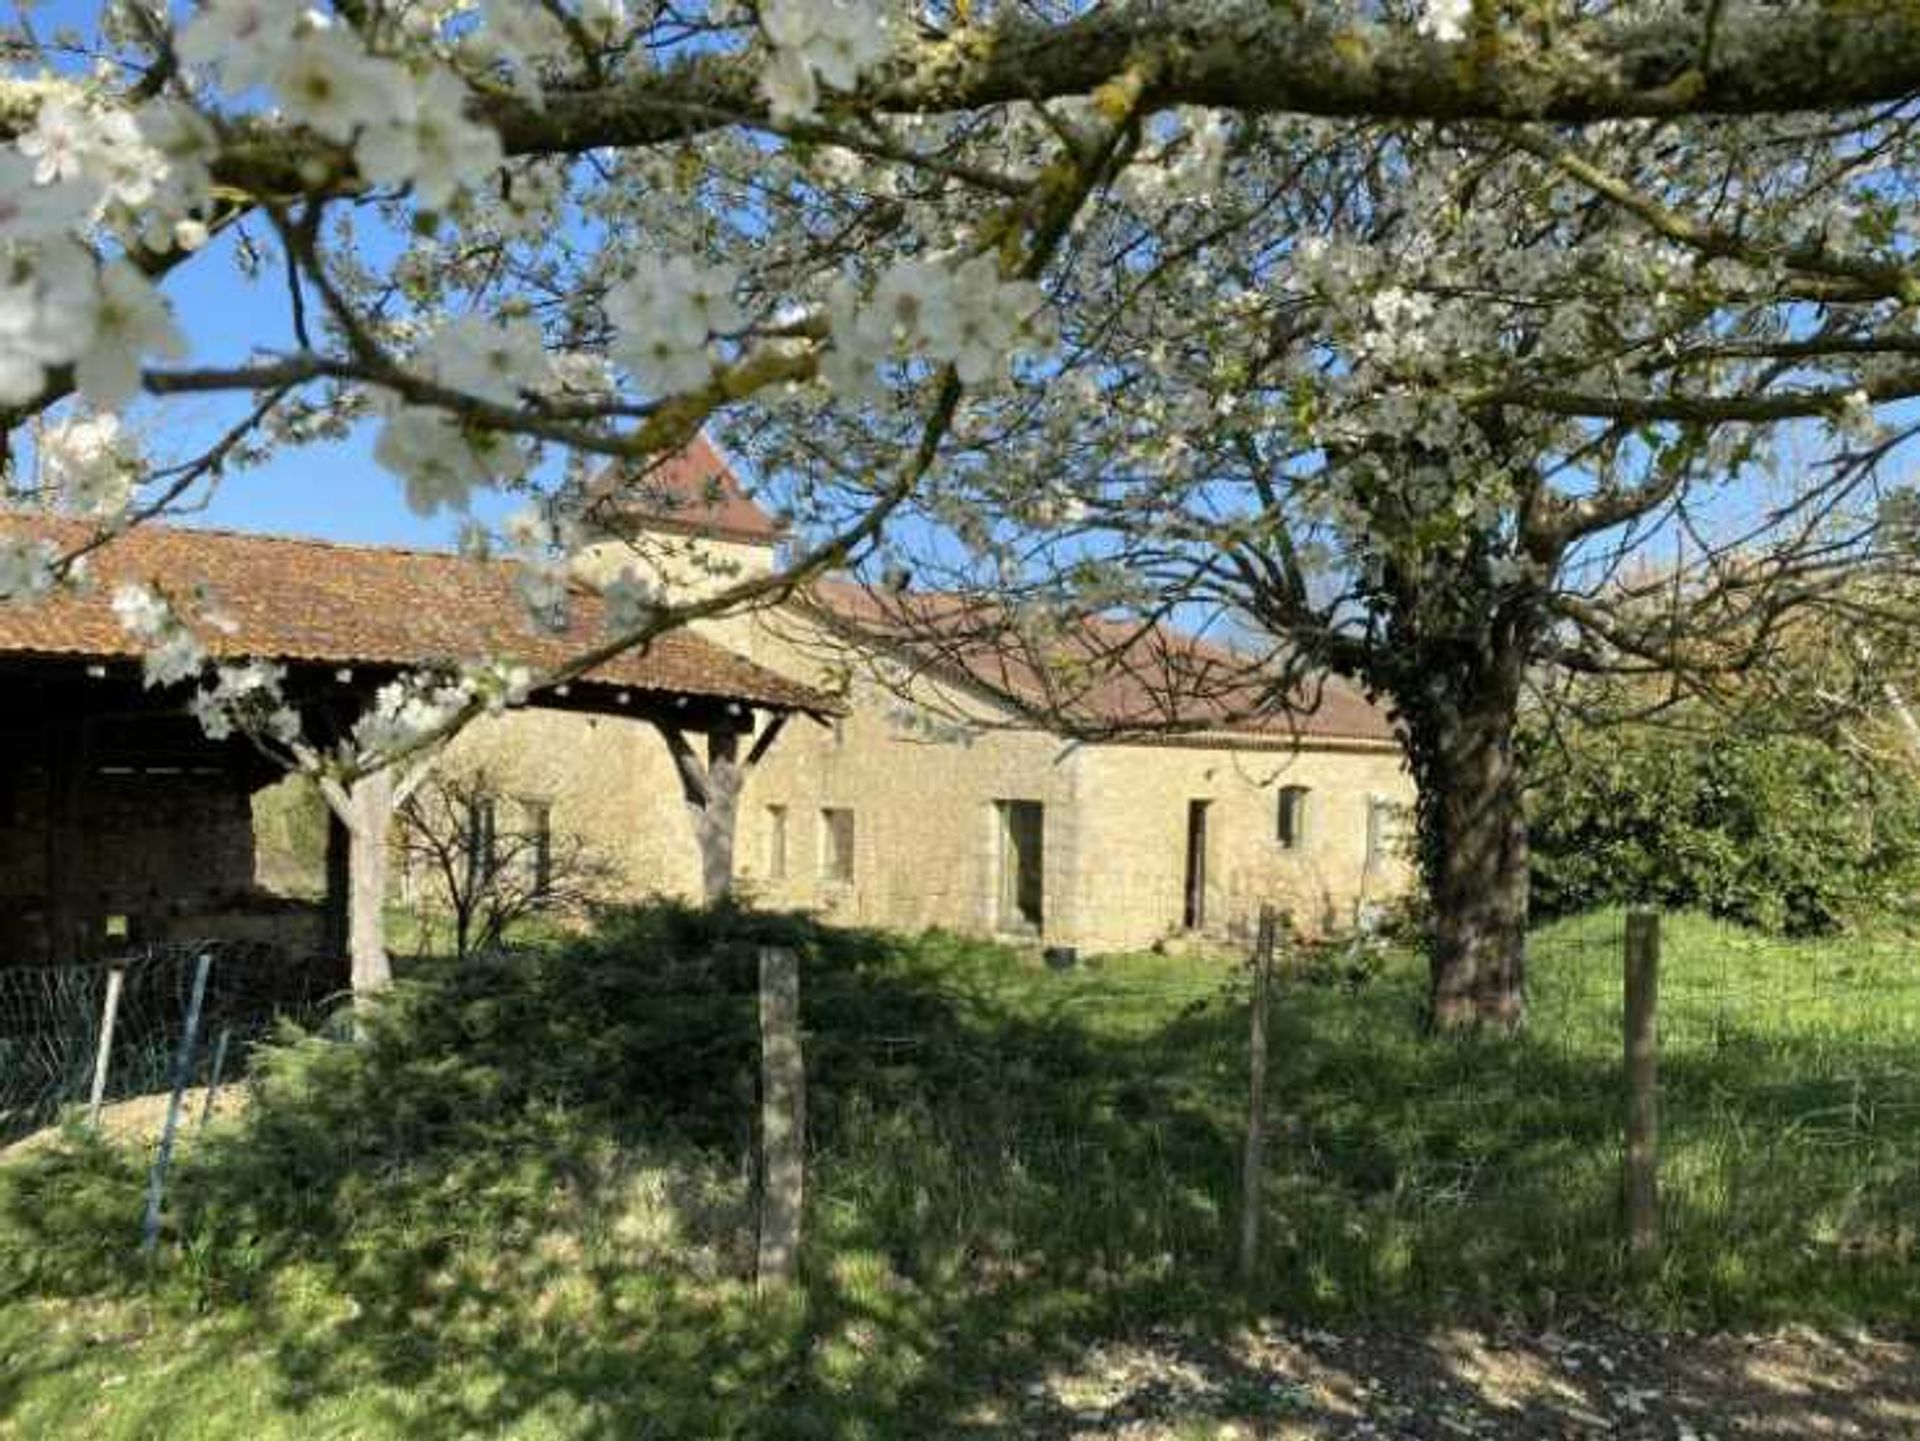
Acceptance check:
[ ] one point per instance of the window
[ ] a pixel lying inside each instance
(1382, 829)
(482, 852)
(776, 843)
(539, 822)
(836, 844)
(1290, 826)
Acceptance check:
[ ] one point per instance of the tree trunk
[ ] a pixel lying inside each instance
(335, 932)
(1474, 848)
(370, 805)
(716, 821)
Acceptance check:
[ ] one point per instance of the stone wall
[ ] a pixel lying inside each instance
(928, 839)
(926, 818)
(1135, 806)
(609, 781)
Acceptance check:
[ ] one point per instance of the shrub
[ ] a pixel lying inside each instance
(1787, 833)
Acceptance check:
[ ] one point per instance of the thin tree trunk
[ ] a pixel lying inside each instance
(335, 932)
(1476, 857)
(370, 804)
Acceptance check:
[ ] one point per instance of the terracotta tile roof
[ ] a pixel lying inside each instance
(693, 492)
(1108, 675)
(308, 600)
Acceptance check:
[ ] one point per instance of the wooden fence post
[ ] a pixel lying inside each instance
(783, 1110)
(110, 1012)
(1253, 1157)
(1642, 1182)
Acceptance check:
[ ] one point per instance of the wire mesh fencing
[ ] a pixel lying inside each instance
(108, 1030)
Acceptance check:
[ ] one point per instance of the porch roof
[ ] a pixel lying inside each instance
(325, 603)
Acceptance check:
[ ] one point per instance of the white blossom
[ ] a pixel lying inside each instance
(1445, 20)
(328, 80)
(58, 143)
(91, 463)
(47, 316)
(426, 139)
(631, 600)
(246, 696)
(831, 42)
(979, 326)
(494, 360)
(519, 36)
(26, 567)
(130, 320)
(170, 652)
(441, 461)
(964, 314)
(604, 20)
(663, 314)
(244, 39)
(409, 710)
(31, 212)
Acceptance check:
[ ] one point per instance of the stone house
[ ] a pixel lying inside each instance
(944, 797)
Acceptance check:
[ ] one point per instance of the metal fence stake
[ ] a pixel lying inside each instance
(182, 1071)
(110, 1012)
(213, 1076)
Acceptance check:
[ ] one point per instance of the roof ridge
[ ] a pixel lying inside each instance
(231, 532)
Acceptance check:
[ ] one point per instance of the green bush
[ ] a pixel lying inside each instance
(1786, 833)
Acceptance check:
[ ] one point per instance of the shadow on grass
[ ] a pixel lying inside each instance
(522, 1203)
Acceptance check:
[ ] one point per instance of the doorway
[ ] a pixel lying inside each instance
(1193, 914)
(1023, 831)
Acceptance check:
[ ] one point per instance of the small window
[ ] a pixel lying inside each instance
(1382, 829)
(538, 816)
(481, 841)
(776, 843)
(1290, 827)
(836, 849)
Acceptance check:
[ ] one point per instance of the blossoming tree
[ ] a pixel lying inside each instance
(1384, 326)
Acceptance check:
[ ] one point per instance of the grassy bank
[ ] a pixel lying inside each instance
(520, 1206)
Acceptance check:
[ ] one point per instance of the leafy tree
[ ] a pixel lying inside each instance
(1781, 831)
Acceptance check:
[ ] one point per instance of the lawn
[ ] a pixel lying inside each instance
(520, 1205)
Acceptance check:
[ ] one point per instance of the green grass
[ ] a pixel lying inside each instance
(519, 1207)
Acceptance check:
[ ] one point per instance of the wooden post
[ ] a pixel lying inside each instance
(109, 1013)
(1253, 1157)
(182, 1073)
(783, 1110)
(1642, 1182)
(720, 817)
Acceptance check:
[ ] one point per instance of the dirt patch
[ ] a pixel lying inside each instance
(1278, 1383)
(139, 1118)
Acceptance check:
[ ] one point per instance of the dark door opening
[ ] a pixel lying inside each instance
(1023, 830)
(1193, 915)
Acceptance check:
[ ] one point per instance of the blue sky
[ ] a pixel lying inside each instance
(331, 489)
